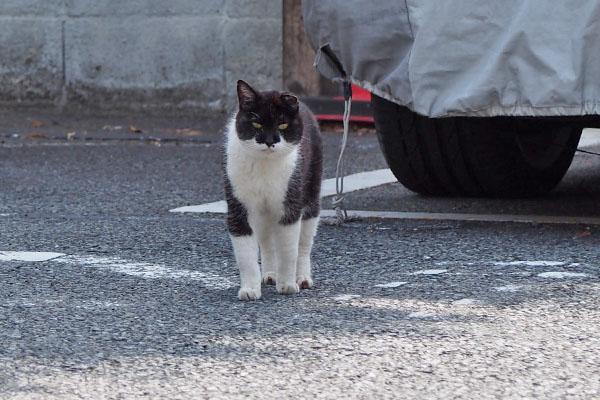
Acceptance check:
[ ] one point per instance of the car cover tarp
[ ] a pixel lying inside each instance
(465, 57)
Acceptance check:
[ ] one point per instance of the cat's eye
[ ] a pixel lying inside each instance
(282, 126)
(256, 125)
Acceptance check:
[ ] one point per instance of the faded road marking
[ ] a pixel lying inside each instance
(117, 265)
(147, 270)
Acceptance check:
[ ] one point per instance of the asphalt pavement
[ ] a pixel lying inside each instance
(129, 300)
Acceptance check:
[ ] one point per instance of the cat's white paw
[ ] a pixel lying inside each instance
(249, 294)
(304, 281)
(269, 278)
(287, 288)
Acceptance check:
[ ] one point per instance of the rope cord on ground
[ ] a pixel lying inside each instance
(338, 200)
(588, 152)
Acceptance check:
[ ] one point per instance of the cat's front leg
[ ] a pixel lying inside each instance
(245, 249)
(245, 246)
(268, 258)
(286, 242)
(303, 269)
(268, 255)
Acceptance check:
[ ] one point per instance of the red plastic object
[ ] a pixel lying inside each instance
(358, 93)
(361, 99)
(337, 117)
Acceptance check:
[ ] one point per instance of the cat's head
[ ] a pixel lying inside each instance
(268, 122)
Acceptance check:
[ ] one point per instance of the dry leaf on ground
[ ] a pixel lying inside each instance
(189, 132)
(133, 129)
(583, 234)
(36, 136)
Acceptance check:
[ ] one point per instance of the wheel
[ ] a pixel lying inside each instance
(467, 156)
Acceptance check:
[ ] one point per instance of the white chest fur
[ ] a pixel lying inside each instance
(259, 181)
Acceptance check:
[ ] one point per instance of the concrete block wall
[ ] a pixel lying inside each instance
(138, 54)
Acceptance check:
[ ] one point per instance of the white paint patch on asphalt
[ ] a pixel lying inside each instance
(33, 256)
(590, 137)
(217, 207)
(466, 302)
(359, 181)
(430, 272)
(346, 297)
(95, 305)
(530, 264)
(562, 275)
(423, 315)
(391, 284)
(4, 215)
(509, 288)
(147, 270)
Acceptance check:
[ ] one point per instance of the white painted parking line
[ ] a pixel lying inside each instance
(221, 207)
(366, 180)
(589, 138)
(31, 256)
(546, 219)
(359, 181)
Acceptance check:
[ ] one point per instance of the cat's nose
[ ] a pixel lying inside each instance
(271, 142)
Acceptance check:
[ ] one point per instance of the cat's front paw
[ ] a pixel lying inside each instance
(304, 281)
(269, 278)
(249, 294)
(287, 288)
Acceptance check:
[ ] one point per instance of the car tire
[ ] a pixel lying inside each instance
(470, 156)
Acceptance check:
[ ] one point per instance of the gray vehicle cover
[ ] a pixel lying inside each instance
(465, 57)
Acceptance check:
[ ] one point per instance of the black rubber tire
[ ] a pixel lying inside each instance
(478, 157)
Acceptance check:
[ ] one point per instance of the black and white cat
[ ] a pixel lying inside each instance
(274, 163)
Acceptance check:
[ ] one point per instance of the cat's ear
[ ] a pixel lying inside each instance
(290, 101)
(246, 96)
